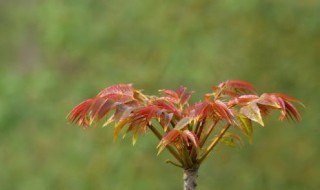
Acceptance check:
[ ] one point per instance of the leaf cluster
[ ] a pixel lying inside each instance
(188, 131)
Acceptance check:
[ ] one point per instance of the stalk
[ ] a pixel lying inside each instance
(190, 178)
(211, 127)
(201, 127)
(187, 157)
(214, 143)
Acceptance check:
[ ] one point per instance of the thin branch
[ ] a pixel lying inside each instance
(208, 132)
(171, 150)
(201, 127)
(193, 154)
(187, 157)
(197, 127)
(173, 163)
(214, 143)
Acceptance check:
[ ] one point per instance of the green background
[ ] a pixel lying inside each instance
(56, 53)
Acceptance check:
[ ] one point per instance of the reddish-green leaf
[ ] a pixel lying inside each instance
(252, 111)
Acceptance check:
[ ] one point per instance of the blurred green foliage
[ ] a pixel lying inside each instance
(56, 53)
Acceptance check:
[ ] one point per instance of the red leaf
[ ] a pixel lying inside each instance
(172, 96)
(185, 98)
(181, 91)
(168, 138)
(105, 108)
(179, 97)
(168, 106)
(169, 93)
(284, 96)
(242, 100)
(232, 88)
(122, 112)
(199, 111)
(292, 111)
(188, 135)
(269, 100)
(240, 85)
(222, 110)
(79, 113)
(166, 119)
(100, 107)
(118, 89)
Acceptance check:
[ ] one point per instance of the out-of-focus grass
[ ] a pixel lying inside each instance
(54, 54)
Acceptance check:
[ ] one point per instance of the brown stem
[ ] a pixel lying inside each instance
(190, 178)
(169, 147)
(214, 143)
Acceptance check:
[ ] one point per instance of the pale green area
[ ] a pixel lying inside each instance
(56, 53)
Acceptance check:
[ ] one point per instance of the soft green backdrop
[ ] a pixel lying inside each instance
(56, 53)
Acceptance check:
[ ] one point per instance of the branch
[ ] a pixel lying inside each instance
(187, 156)
(208, 133)
(201, 127)
(214, 143)
(198, 130)
(173, 163)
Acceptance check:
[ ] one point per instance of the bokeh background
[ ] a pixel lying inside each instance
(57, 53)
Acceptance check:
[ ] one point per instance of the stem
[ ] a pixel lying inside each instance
(173, 163)
(214, 143)
(208, 133)
(187, 156)
(199, 126)
(190, 178)
(171, 150)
